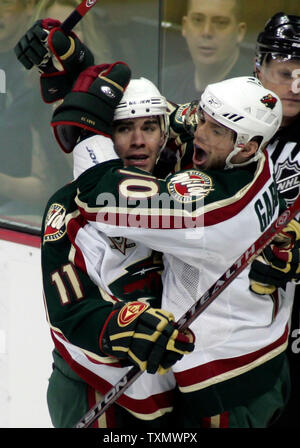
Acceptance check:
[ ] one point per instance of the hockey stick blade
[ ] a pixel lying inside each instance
(195, 310)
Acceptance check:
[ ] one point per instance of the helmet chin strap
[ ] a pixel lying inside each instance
(240, 144)
(164, 126)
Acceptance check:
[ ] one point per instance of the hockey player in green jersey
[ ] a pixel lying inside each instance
(202, 219)
(264, 395)
(85, 275)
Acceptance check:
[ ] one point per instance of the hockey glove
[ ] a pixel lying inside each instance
(91, 103)
(42, 46)
(279, 263)
(145, 336)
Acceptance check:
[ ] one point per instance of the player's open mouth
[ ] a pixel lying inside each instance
(200, 156)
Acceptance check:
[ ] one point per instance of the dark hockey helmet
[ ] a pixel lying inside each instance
(280, 38)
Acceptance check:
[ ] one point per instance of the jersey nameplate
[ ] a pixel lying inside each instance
(266, 206)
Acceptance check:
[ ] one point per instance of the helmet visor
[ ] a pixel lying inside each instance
(281, 69)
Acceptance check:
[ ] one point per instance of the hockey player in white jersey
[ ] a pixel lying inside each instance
(238, 367)
(108, 270)
(84, 276)
(250, 406)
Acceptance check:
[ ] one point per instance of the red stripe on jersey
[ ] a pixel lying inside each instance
(66, 355)
(223, 213)
(146, 406)
(275, 298)
(216, 421)
(146, 221)
(224, 420)
(109, 413)
(150, 220)
(73, 227)
(218, 367)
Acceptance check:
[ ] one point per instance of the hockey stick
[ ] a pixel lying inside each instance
(67, 25)
(76, 15)
(202, 303)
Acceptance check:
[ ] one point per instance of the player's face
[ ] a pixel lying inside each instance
(283, 78)
(211, 30)
(212, 144)
(138, 141)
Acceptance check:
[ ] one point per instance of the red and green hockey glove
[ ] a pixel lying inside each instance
(279, 263)
(42, 46)
(90, 106)
(144, 336)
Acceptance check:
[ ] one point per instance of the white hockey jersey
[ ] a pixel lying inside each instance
(202, 222)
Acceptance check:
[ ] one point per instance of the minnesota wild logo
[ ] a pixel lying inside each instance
(55, 226)
(269, 101)
(190, 185)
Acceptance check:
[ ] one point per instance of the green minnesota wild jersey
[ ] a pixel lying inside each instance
(202, 221)
(84, 273)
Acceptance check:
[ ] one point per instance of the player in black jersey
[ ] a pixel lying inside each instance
(278, 68)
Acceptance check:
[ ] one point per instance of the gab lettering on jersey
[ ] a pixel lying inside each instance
(266, 206)
(55, 227)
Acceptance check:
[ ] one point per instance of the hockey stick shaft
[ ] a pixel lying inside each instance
(68, 24)
(76, 15)
(192, 313)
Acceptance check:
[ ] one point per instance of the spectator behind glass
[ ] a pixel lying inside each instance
(213, 31)
(17, 180)
(31, 167)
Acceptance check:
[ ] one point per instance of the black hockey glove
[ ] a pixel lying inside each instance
(279, 263)
(144, 336)
(91, 103)
(42, 46)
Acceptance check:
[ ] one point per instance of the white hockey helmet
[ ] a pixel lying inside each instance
(142, 99)
(245, 106)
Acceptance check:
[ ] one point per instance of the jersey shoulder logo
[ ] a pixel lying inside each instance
(121, 244)
(130, 312)
(190, 186)
(180, 113)
(55, 226)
